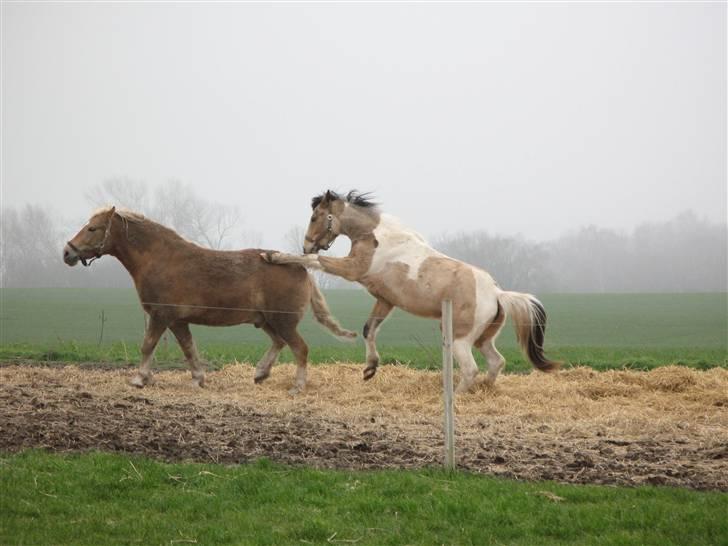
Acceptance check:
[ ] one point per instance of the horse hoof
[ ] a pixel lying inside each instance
(293, 391)
(462, 389)
(369, 373)
(140, 381)
(270, 257)
(258, 379)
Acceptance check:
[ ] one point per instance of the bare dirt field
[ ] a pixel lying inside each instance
(666, 427)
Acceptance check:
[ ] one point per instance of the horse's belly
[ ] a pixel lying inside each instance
(417, 300)
(420, 288)
(227, 318)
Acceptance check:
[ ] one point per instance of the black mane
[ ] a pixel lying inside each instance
(354, 197)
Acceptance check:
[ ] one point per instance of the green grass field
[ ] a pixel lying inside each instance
(603, 331)
(100, 499)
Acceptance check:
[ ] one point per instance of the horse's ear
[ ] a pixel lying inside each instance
(112, 210)
(330, 196)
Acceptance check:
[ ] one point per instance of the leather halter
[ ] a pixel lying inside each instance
(97, 249)
(329, 229)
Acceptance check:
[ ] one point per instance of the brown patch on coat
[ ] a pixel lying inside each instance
(438, 278)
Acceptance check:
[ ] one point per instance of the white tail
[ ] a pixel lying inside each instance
(529, 318)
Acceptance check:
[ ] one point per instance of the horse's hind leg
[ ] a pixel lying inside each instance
(486, 344)
(376, 317)
(300, 352)
(155, 329)
(462, 349)
(181, 331)
(496, 361)
(262, 369)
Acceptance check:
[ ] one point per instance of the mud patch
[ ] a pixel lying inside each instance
(665, 427)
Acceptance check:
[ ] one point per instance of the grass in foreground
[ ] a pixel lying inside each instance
(111, 499)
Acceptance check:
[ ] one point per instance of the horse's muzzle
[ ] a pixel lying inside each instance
(70, 255)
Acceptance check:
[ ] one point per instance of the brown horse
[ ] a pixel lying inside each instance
(400, 269)
(180, 283)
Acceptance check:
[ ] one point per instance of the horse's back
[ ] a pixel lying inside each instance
(224, 287)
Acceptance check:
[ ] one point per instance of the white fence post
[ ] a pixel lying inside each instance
(447, 384)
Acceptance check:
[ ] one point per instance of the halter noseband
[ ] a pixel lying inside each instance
(329, 229)
(97, 249)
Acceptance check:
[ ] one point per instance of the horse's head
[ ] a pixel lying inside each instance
(325, 225)
(92, 241)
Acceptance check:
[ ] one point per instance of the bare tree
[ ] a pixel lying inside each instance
(294, 239)
(210, 224)
(514, 262)
(122, 192)
(31, 243)
(251, 238)
(592, 259)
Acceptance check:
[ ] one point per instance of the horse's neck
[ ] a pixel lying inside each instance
(357, 224)
(399, 245)
(135, 243)
(391, 232)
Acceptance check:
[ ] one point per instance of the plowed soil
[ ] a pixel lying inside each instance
(667, 427)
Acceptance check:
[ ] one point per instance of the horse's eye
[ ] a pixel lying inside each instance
(92, 229)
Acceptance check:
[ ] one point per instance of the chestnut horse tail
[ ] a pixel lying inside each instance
(322, 313)
(529, 318)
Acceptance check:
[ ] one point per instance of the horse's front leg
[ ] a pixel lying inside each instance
(155, 329)
(181, 331)
(350, 267)
(306, 260)
(262, 369)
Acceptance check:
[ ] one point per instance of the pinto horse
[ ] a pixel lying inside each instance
(180, 283)
(399, 268)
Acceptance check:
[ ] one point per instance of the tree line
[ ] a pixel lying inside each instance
(683, 254)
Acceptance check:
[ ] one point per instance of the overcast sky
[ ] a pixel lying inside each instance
(513, 118)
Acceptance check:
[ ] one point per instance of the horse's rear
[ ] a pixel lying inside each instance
(224, 288)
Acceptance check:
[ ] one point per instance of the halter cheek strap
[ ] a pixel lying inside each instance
(97, 249)
(329, 230)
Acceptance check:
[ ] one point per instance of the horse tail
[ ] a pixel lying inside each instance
(529, 318)
(322, 313)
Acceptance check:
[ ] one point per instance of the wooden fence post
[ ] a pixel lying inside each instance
(447, 384)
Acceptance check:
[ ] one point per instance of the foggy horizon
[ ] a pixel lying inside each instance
(535, 119)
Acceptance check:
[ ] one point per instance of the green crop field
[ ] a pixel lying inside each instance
(604, 331)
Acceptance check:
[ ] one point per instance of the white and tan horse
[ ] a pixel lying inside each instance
(399, 268)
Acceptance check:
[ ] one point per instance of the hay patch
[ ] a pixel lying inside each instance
(666, 426)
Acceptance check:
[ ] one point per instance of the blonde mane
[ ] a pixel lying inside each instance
(123, 212)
